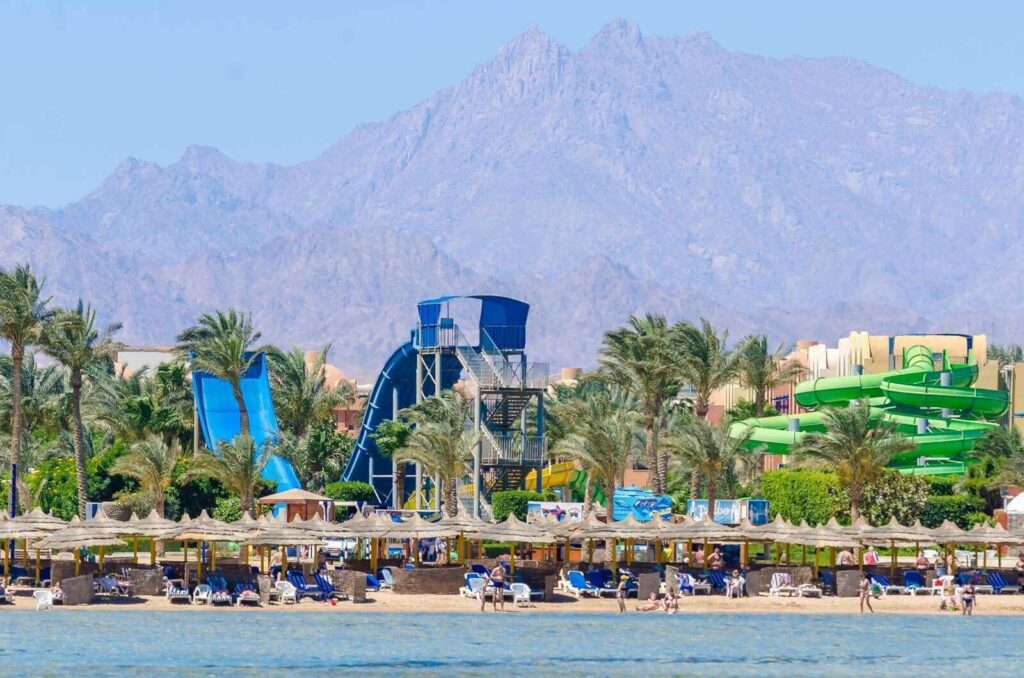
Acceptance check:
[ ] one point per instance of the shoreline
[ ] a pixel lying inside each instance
(387, 602)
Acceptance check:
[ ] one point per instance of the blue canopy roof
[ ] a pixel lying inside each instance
(502, 319)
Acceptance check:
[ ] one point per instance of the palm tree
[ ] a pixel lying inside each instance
(301, 395)
(1005, 355)
(74, 341)
(224, 345)
(239, 467)
(706, 365)
(390, 436)
(604, 442)
(638, 358)
(762, 370)
(45, 397)
(23, 317)
(151, 462)
(710, 451)
(856, 448)
(440, 442)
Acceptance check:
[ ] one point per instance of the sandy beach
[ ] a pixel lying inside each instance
(386, 601)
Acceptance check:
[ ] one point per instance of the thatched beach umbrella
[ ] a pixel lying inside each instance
(275, 532)
(207, 529)
(28, 527)
(81, 534)
(152, 527)
(516, 531)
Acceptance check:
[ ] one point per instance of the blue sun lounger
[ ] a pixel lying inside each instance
(999, 584)
(302, 587)
(578, 585)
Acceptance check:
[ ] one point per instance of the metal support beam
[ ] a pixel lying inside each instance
(477, 453)
(395, 502)
(540, 437)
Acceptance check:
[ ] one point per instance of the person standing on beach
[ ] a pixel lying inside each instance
(275, 565)
(845, 558)
(967, 598)
(865, 593)
(497, 581)
(620, 593)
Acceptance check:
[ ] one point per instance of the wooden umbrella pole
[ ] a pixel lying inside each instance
(38, 568)
(892, 558)
(24, 553)
(984, 556)
(511, 558)
(213, 556)
(102, 553)
(78, 561)
(803, 554)
(199, 562)
(135, 550)
(152, 551)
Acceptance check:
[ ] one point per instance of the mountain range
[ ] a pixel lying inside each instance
(795, 197)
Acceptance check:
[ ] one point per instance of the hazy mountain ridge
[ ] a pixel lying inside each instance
(796, 196)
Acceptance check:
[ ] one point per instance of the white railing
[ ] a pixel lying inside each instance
(511, 449)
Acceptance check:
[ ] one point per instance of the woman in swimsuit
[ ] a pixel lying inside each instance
(865, 594)
(967, 598)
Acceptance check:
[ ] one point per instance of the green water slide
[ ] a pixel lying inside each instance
(938, 409)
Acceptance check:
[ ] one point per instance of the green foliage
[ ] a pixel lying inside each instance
(512, 501)
(228, 509)
(319, 456)
(814, 496)
(744, 409)
(391, 435)
(192, 497)
(351, 491)
(894, 494)
(498, 548)
(940, 486)
(957, 508)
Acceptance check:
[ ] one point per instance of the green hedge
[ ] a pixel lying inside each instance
(941, 486)
(512, 501)
(814, 496)
(351, 491)
(959, 509)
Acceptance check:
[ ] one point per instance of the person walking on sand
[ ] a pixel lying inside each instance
(865, 593)
(497, 581)
(620, 593)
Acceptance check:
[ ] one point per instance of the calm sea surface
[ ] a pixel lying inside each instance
(128, 643)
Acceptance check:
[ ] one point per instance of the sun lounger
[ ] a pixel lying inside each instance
(44, 599)
(286, 592)
(110, 586)
(178, 594)
(913, 583)
(372, 583)
(479, 569)
(717, 581)
(474, 588)
(245, 594)
(302, 587)
(828, 582)
(387, 581)
(782, 583)
(978, 579)
(887, 586)
(1000, 585)
(326, 587)
(578, 585)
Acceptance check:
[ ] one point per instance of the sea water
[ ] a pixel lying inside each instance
(176, 643)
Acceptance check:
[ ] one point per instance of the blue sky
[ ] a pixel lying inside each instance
(85, 84)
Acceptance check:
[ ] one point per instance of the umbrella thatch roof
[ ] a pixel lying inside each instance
(513, 529)
(205, 528)
(80, 534)
(275, 532)
(292, 496)
(151, 526)
(464, 523)
(31, 525)
(705, 528)
(987, 534)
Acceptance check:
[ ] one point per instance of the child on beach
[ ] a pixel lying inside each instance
(670, 604)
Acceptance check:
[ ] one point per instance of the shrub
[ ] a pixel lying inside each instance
(512, 501)
(940, 486)
(957, 508)
(351, 491)
(228, 509)
(894, 494)
(814, 496)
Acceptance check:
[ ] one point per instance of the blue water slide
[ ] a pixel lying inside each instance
(219, 416)
(399, 374)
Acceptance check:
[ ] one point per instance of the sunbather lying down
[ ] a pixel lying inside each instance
(650, 606)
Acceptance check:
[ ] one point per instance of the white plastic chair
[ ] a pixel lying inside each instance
(782, 583)
(44, 599)
(202, 594)
(288, 592)
(520, 594)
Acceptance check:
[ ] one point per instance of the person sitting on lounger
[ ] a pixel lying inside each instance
(735, 585)
(650, 606)
(715, 560)
(58, 594)
(921, 564)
